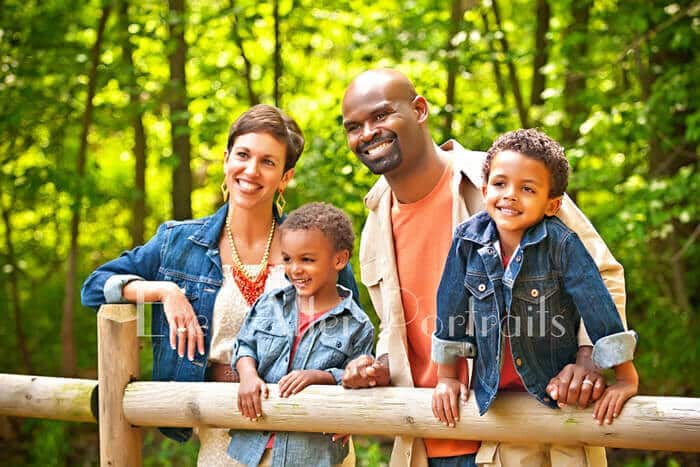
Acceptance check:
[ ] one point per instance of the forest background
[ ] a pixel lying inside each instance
(114, 118)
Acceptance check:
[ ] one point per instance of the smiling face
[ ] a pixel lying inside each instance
(312, 263)
(254, 169)
(382, 117)
(517, 193)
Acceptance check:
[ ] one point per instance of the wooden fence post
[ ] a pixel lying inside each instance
(118, 364)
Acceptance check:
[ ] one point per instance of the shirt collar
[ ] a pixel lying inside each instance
(208, 234)
(482, 230)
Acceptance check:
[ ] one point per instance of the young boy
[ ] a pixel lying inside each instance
(516, 284)
(301, 335)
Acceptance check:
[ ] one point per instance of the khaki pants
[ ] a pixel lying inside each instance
(493, 454)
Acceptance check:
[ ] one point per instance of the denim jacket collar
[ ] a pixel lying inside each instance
(482, 230)
(208, 233)
(287, 295)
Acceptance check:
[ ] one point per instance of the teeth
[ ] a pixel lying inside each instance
(247, 185)
(378, 149)
(511, 212)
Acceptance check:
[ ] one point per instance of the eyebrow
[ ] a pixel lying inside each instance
(377, 108)
(249, 150)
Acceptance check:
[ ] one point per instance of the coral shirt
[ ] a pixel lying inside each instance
(422, 237)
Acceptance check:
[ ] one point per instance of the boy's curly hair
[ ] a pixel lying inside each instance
(536, 145)
(331, 221)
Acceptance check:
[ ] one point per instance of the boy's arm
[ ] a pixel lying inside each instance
(452, 338)
(362, 346)
(582, 281)
(610, 269)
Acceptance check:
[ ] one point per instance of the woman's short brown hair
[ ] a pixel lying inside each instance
(263, 118)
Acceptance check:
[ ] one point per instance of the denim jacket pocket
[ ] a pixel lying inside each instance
(536, 305)
(479, 286)
(271, 341)
(333, 352)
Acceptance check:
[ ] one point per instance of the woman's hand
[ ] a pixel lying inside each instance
(294, 382)
(185, 331)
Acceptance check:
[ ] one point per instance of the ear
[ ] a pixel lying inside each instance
(553, 205)
(484, 187)
(420, 106)
(286, 178)
(226, 154)
(341, 259)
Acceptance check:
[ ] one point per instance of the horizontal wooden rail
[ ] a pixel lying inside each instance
(656, 423)
(651, 423)
(66, 399)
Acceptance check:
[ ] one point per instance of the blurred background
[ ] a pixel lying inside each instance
(114, 118)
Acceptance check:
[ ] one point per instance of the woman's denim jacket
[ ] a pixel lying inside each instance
(187, 253)
(550, 283)
(342, 334)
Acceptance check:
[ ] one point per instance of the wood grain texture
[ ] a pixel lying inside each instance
(656, 423)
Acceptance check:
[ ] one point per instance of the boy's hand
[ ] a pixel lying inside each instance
(249, 391)
(615, 396)
(293, 382)
(446, 399)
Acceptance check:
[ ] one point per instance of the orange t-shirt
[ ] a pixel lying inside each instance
(422, 237)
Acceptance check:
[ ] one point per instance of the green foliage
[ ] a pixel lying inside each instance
(633, 145)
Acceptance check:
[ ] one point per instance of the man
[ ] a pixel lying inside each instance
(425, 191)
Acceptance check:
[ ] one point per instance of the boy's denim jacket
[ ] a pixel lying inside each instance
(187, 253)
(340, 335)
(550, 283)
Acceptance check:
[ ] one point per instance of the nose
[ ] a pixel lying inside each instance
(251, 166)
(368, 132)
(509, 192)
(294, 268)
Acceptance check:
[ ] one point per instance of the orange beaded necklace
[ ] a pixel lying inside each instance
(251, 287)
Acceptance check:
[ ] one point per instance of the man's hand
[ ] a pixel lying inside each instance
(446, 400)
(577, 383)
(366, 372)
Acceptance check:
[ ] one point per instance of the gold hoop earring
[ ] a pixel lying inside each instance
(280, 202)
(224, 190)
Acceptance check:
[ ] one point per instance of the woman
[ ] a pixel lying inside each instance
(205, 273)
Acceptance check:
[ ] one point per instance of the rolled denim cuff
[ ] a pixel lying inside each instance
(615, 349)
(114, 286)
(337, 374)
(445, 352)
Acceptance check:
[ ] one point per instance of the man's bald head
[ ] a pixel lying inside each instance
(393, 82)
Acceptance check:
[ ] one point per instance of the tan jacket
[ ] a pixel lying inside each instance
(379, 274)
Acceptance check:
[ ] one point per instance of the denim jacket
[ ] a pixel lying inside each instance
(267, 334)
(550, 283)
(187, 253)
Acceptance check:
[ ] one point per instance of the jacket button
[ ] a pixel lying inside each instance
(518, 361)
(535, 293)
(481, 287)
(269, 327)
(491, 251)
(518, 258)
(337, 344)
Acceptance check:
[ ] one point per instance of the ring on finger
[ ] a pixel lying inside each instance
(587, 382)
(181, 330)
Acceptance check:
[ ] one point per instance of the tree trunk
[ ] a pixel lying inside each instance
(576, 50)
(235, 34)
(69, 365)
(512, 72)
(452, 64)
(14, 293)
(138, 208)
(278, 52)
(500, 85)
(179, 116)
(543, 13)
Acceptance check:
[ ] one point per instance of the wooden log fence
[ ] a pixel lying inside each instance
(651, 423)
